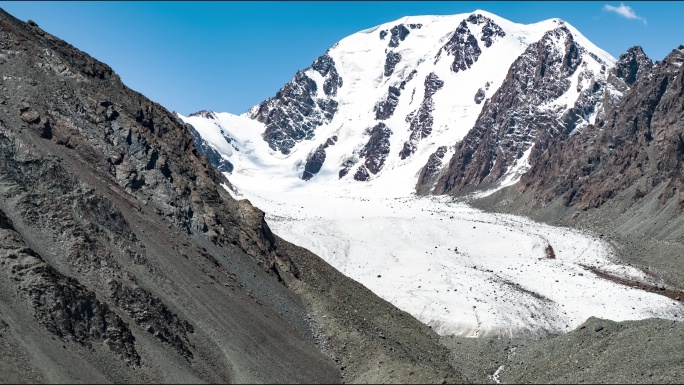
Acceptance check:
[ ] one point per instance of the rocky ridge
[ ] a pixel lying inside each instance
(298, 108)
(522, 110)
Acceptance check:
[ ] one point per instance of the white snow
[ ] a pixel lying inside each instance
(458, 269)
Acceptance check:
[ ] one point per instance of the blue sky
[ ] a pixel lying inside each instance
(229, 56)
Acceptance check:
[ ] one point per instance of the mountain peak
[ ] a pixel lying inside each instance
(427, 79)
(207, 114)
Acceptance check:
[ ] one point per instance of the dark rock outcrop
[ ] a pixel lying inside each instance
(151, 314)
(314, 162)
(62, 304)
(463, 45)
(408, 79)
(490, 30)
(631, 65)
(640, 144)
(377, 149)
(398, 34)
(385, 108)
(347, 164)
(479, 96)
(297, 109)
(421, 120)
(361, 174)
(325, 66)
(214, 157)
(428, 174)
(513, 119)
(391, 61)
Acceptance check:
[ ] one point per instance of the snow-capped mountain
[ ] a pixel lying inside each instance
(435, 104)
(400, 96)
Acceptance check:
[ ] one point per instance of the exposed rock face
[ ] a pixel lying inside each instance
(421, 120)
(385, 108)
(463, 45)
(212, 155)
(151, 314)
(299, 107)
(315, 160)
(408, 79)
(347, 164)
(631, 66)
(479, 96)
(377, 149)
(361, 174)
(63, 305)
(490, 30)
(375, 152)
(639, 145)
(428, 174)
(314, 163)
(398, 33)
(518, 113)
(391, 61)
(325, 66)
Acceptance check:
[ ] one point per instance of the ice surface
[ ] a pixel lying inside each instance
(458, 269)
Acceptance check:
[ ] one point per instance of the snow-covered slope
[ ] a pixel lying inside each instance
(426, 80)
(334, 159)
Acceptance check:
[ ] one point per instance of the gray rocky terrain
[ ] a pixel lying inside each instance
(599, 351)
(125, 260)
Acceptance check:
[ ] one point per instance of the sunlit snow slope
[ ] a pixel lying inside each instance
(458, 269)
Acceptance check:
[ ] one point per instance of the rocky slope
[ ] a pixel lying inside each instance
(599, 351)
(621, 176)
(529, 104)
(639, 144)
(123, 255)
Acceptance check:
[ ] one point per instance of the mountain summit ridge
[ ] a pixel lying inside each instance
(425, 78)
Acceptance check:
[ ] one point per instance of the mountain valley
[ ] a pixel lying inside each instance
(438, 199)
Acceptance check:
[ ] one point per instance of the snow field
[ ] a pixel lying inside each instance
(458, 269)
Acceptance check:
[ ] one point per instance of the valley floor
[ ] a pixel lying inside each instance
(460, 270)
